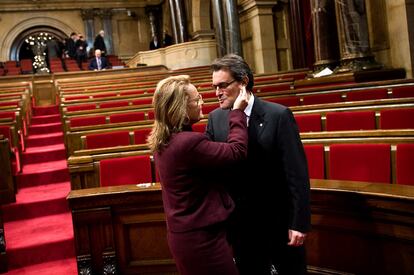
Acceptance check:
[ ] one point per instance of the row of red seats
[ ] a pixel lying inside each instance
(354, 162)
(109, 104)
(296, 100)
(335, 97)
(398, 118)
(361, 162)
(16, 68)
(118, 138)
(71, 65)
(113, 118)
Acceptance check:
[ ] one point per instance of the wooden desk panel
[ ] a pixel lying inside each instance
(358, 228)
(361, 228)
(122, 228)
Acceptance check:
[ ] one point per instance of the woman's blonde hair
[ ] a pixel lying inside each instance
(170, 108)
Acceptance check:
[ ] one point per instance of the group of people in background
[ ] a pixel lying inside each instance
(76, 47)
(166, 41)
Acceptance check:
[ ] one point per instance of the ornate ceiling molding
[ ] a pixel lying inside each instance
(41, 5)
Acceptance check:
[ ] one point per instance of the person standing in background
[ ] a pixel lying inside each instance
(81, 51)
(71, 45)
(167, 40)
(99, 43)
(154, 44)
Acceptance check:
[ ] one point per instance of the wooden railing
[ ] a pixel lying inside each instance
(357, 228)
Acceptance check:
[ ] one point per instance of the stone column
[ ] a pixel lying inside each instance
(232, 32)
(351, 17)
(219, 26)
(173, 21)
(180, 21)
(152, 12)
(324, 34)
(106, 16)
(296, 35)
(256, 23)
(89, 24)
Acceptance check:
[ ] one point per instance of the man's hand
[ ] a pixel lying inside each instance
(296, 238)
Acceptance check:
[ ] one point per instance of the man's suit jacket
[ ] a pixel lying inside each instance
(99, 43)
(273, 194)
(188, 166)
(93, 65)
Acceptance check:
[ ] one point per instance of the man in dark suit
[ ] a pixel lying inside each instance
(154, 44)
(272, 213)
(98, 62)
(99, 43)
(70, 45)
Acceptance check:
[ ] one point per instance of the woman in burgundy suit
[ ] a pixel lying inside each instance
(195, 203)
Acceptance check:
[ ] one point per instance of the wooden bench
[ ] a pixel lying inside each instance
(84, 164)
(7, 184)
(357, 228)
(72, 135)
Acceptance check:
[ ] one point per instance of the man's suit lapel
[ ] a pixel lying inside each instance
(223, 130)
(257, 122)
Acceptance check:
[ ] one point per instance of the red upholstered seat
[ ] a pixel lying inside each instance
(9, 103)
(347, 121)
(199, 127)
(110, 139)
(140, 136)
(208, 108)
(273, 88)
(10, 64)
(360, 162)
(322, 98)
(397, 118)
(133, 92)
(11, 115)
(81, 107)
(370, 94)
(104, 95)
(404, 91)
(316, 161)
(26, 65)
(405, 163)
(76, 97)
(127, 117)
(151, 114)
(208, 85)
(113, 104)
(309, 122)
(129, 170)
(209, 94)
(10, 95)
(286, 101)
(142, 101)
(86, 121)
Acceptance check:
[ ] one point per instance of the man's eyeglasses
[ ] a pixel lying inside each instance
(222, 85)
